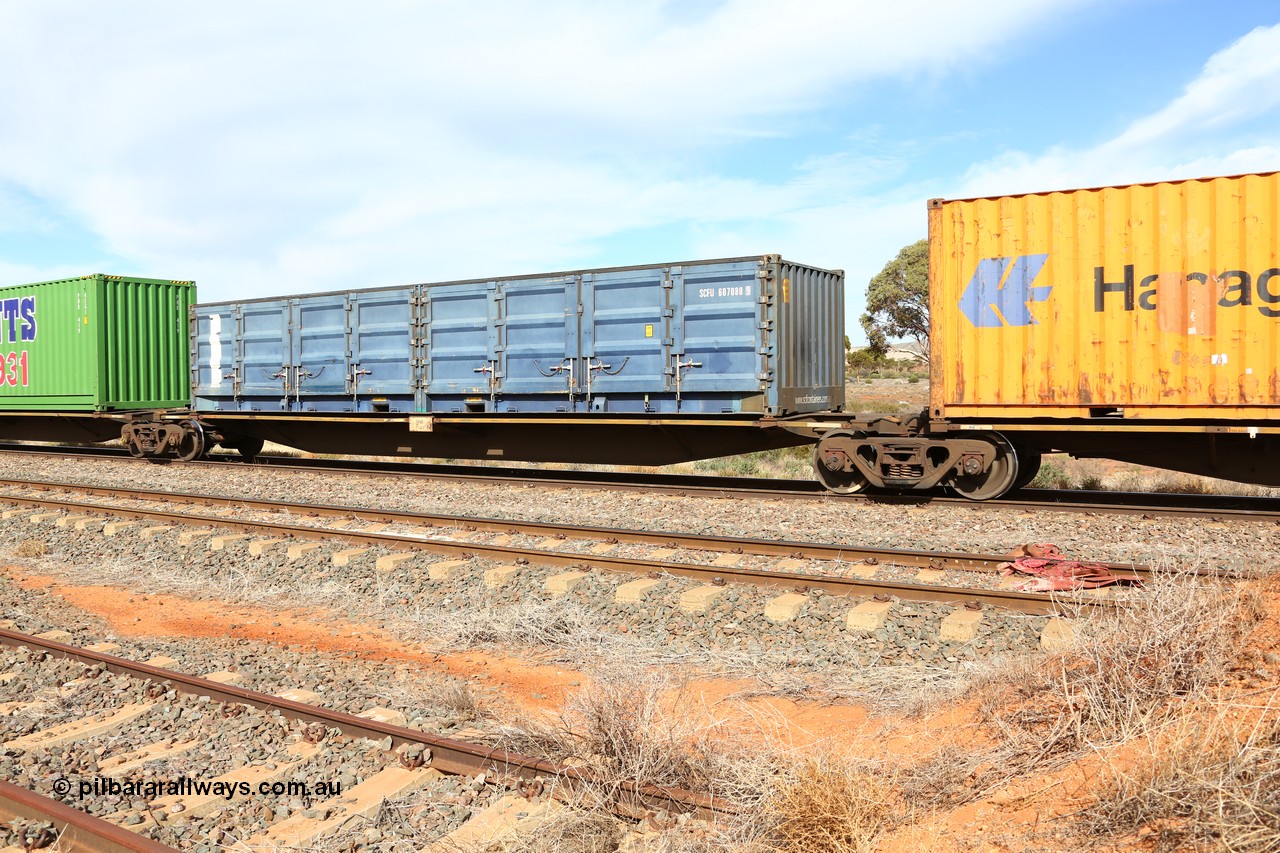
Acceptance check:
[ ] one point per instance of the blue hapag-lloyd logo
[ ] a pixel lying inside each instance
(1000, 290)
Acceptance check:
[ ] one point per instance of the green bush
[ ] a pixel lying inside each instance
(862, 360)
(1051, 476)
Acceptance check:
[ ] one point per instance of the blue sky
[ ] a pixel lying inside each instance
(286, 147)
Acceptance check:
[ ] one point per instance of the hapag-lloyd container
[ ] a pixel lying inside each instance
(1151, 300)
(95, 343)
(726, 336)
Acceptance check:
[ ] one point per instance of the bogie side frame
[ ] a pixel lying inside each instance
(984, 460)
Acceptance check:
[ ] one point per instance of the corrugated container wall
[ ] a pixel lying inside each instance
(96, 343)
(726, 336)
(1161, 300)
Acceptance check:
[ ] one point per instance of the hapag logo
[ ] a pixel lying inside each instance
(1001, 289)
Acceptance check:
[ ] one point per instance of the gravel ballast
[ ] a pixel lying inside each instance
(462, 611)
(1115, 538)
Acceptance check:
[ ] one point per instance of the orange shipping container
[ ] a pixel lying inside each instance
(1151, 300)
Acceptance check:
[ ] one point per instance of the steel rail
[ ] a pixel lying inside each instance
(448, 755)
(1025, 602)
(731, 544)
(76, 831)
(1212, 507)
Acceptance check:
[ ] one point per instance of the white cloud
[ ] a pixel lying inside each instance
(276, 147)
(1222, 123)
(283, 147)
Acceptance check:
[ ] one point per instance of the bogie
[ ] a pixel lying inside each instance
(978, 467)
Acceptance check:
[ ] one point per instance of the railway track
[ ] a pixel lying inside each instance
(834, 569)
(1212, 507)
(410, 760)
(43, 822)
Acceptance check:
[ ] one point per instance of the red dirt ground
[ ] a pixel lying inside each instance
(1001, 821)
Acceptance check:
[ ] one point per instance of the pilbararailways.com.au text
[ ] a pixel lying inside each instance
(185, 786)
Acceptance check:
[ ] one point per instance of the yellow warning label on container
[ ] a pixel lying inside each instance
(648, 330)
(786, 290)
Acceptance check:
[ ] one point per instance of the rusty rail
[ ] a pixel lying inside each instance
(75, 831)
(1224, 507)
(447, 754)
(732, 544)
(1025, 602)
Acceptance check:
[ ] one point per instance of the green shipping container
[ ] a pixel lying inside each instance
(94, 344)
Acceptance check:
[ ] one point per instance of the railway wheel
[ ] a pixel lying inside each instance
(1028, 467)
(247, 447)
(833, 462)
(999, 477)
(192, 445)
(134, 448)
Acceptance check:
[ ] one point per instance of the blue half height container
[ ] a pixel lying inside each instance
(742, 335)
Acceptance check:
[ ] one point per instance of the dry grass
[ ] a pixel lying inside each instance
(628, 725)
(632, 725)
(571, 826)
(827, 805)
(549, 624)
(1207, 780)
(950, 775)
(1126, 672)
(31, 548)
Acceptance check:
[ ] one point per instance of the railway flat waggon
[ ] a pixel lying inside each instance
(632, 365)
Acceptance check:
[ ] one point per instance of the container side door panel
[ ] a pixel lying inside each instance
(214, 351)
(721, 328)
(624, 329)
(381, 338)
(539, 322)
(320, 346)
(457, 339)
(266, 352)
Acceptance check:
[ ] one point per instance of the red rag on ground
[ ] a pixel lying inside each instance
(1050, 572)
